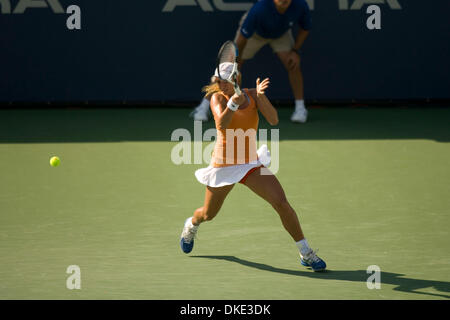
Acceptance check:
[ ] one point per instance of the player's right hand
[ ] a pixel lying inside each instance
(239, 99)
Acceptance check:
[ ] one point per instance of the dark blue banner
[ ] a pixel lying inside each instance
(165, 50)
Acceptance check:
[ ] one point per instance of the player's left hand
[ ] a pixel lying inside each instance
(261, 86)
(293, 60)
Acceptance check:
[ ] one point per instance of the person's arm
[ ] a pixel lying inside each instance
(305, 24)
(222, 114)
(303, 32)
(300, 39)
(247, 29)
(294, 56)
(241, 41)
(263, 104)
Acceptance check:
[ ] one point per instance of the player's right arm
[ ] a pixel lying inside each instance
(222, 114)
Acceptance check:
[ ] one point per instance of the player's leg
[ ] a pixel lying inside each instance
(283, 48)
(269, 188)
(214, 198)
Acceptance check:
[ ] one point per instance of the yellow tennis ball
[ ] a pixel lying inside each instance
(54, 161)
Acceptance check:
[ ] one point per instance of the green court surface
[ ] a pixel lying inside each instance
(371, 187)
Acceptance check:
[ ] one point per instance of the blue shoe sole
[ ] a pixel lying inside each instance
(186, 247)
(304, 263)
(319, 270)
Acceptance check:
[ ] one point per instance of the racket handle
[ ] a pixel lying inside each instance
(237, 90)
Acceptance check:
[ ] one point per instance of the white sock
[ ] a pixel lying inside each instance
(190, 224)
(204, 105)
(303, 246)
(299, 104)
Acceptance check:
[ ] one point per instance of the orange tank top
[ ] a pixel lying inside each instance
(237, 144)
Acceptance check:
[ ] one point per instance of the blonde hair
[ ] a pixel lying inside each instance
(211, 88)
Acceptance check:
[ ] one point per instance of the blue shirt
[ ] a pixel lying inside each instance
(264, 19)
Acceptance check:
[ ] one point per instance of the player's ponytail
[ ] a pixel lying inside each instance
(211, 88)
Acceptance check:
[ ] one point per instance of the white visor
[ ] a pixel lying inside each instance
(226, 69)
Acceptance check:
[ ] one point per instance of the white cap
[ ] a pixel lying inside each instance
(226, 68)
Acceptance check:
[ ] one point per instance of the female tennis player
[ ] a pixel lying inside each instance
(236, 161)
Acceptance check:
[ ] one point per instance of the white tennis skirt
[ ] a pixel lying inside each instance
(223, 176)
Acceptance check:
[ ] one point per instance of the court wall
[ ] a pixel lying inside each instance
(165, 50)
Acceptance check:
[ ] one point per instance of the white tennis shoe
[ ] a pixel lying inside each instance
(188, 235)
(300, 115)
(200, 113)
(310, 259)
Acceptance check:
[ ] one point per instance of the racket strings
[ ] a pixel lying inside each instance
(229, 72)
(227, 55)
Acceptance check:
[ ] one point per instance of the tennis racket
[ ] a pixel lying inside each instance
(229, 53)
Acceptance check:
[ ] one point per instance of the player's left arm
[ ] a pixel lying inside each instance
(262, 103)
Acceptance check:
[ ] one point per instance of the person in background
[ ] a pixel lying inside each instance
(271, 22)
